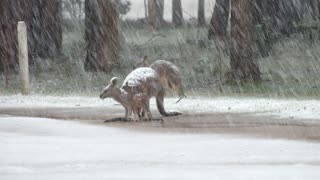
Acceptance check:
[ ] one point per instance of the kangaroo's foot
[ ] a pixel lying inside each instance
(172, 113)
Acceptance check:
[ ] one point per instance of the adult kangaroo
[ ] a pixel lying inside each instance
(146, 80)
(170, 76)
(169, 73)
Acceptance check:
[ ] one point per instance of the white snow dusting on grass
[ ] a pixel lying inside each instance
(301, 109)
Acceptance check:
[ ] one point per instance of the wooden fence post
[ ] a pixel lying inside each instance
(23, 57)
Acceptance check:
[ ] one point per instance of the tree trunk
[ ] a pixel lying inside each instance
(11, 12)
(50, 29)
(282, 14)
(315, 9)
(219, 20)
(177, 16)
(26, 11)
(161, 9)
(101, 35)
(243, 55)
(218, 32)
(43, 20)
(155, 13)
(145, 10)
(7, 36)
(201, 15)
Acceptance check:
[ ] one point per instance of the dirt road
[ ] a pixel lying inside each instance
(244, 124)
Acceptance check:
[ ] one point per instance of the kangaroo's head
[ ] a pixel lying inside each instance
(110, 90)
(142, 63)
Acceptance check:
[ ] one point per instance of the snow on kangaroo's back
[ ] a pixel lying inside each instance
(170, 75)
(140, 75)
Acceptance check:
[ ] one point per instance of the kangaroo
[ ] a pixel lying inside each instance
(170, 75)
(140, 105)
(132, 103)
(143, 63)
(147, 80)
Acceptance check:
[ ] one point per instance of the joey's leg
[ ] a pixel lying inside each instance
(136, 117)
(128, 113)
(147, 109)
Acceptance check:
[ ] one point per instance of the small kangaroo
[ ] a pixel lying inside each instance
(140, 105)
(132, 103)
(142, 63)
(170, 75)
(146, 80)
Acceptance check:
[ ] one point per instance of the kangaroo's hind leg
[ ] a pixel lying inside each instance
(160, 105)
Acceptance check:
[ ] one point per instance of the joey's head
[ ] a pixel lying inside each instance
(142, 63)
(110, 90)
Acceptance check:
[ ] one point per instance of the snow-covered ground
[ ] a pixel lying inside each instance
(34, 148)
(300, 109)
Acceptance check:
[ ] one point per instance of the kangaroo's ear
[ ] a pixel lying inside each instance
(145, 58)
(114, 81)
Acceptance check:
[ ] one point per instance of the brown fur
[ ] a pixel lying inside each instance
(140, 103)
(146, 80)
(132, 103)
(170, 75)
(143, 63)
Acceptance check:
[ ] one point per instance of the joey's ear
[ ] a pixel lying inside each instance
(114, 81)
(145, 58)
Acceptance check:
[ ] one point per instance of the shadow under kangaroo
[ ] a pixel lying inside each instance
(149, 82)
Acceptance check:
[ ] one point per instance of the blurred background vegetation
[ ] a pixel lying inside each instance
(288, 53)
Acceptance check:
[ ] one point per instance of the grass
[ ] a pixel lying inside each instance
(292, 69)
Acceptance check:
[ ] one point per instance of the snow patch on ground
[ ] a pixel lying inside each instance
(37, 148)
(300, 109)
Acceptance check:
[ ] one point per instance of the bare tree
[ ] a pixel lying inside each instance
(74, 8)
(218, 32)
(43, 20)
(161, 8)
(243, 53)
(47, 27)
(177, 16)
(101, 34)
(201, 14)
(155, 13)
(282, 14)
(315, 9)
(12, 11)
(7, 37)
(219, 20)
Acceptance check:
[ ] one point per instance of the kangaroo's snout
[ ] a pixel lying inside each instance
(103, 95)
